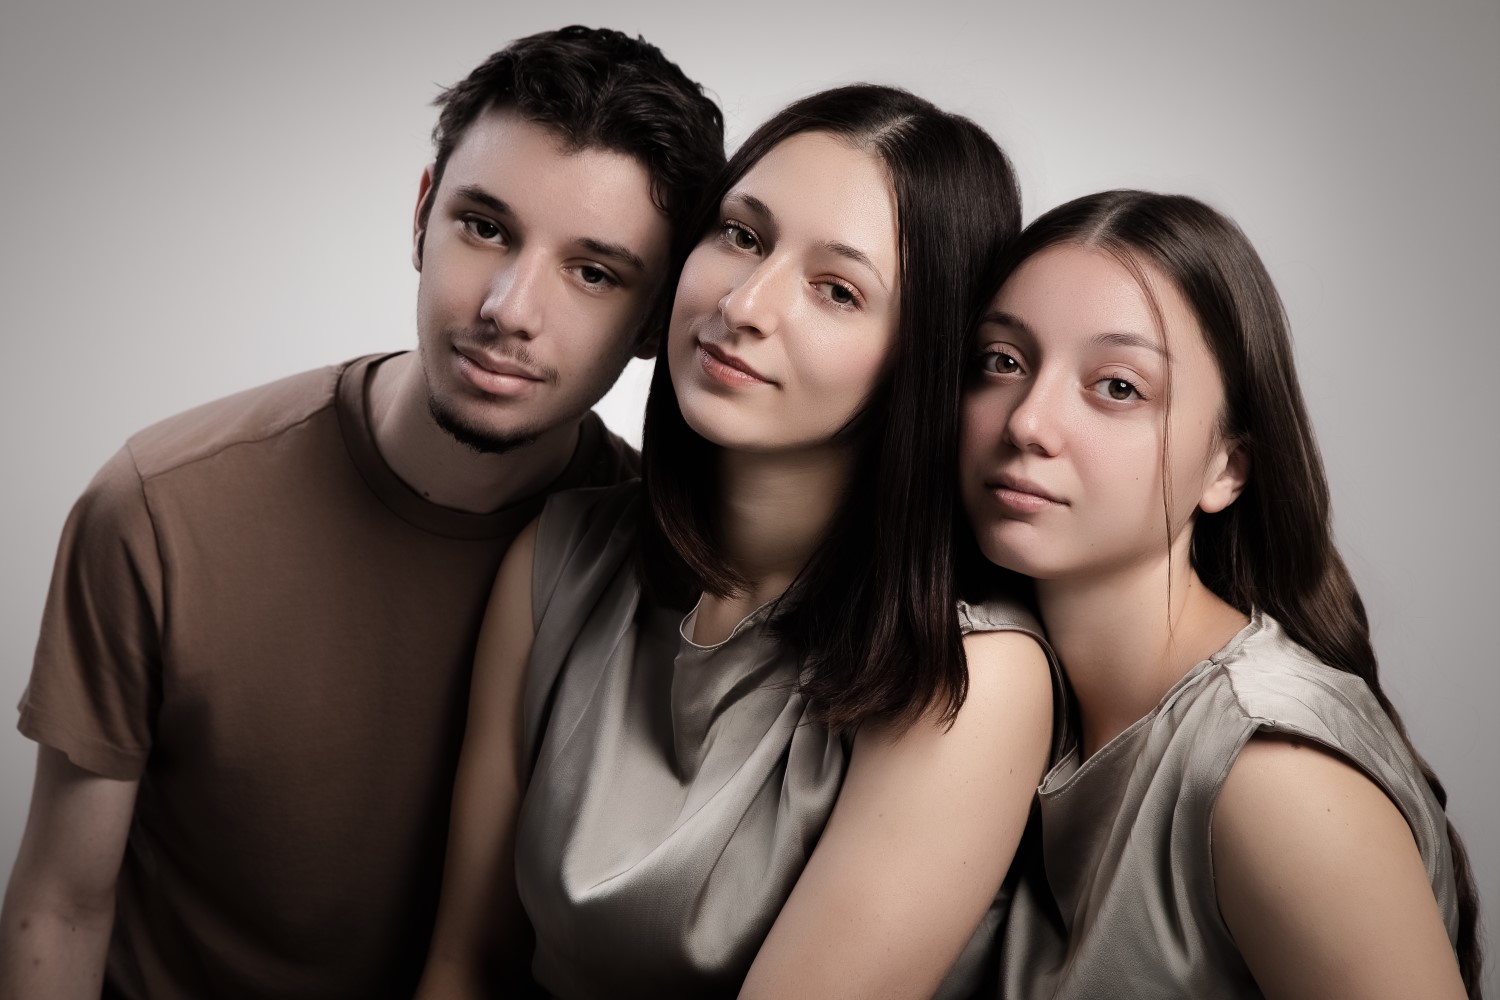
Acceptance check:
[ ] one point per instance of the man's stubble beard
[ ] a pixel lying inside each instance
(481, 441)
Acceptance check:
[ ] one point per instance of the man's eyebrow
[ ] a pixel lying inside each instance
(478, 195)
(603, 248)
(1130, 340)
(613, 251)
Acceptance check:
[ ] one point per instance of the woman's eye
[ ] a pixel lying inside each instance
(840, 295)
(999, 363)
(1120, 389)
(740, 237)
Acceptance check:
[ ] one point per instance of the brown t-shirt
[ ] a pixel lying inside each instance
(255, 617)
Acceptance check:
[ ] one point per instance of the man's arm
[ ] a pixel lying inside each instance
(481, 937)
(60, 904)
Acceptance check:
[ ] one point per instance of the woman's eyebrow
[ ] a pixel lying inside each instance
(1005, 319)
(857, 255)
(1130, 340)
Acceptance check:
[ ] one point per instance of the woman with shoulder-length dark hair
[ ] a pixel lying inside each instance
(1244, 815)
(731, 731)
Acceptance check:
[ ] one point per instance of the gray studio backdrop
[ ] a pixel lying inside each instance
(197, 198)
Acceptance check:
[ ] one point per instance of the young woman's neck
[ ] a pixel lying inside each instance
(774, 512)
(1124, 639)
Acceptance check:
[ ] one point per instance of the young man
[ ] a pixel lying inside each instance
(250, 686)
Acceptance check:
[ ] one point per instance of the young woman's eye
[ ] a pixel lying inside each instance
(839, 294)
(739, 237)
(1119, 389)
(998, 363)
(484, 229)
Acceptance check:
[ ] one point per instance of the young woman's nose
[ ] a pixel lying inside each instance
(756, 304)
(1034, 424)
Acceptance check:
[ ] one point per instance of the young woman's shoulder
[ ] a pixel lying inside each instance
(1321, 882)
(1331, 862)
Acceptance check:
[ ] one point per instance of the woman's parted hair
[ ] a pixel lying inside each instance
(1273, 548)
(874, 609)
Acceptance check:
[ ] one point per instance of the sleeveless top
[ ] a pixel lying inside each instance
(1121, 900)
(676, 791)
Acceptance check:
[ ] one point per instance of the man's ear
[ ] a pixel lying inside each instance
(1225, 487)
(425, 194)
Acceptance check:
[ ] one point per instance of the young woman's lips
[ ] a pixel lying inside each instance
(1021, 496)
(726, 369)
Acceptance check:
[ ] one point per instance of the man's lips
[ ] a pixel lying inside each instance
(728, 360)
(501, 365)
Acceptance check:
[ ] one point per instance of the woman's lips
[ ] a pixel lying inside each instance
(1022, 496)
(725, 368)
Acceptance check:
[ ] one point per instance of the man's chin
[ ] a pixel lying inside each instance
(482, 440)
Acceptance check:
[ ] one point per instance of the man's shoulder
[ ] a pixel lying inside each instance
(252, 415)
(607, 457)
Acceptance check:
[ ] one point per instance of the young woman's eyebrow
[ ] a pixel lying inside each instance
(1130, 340)
(760, 208)
(855, 254)
(1005, 319)
(751, 202)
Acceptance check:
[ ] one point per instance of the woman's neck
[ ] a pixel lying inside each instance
(1124, 638)
(774, 512)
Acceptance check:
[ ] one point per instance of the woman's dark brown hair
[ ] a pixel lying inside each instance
(874, 609)
(1272, 549)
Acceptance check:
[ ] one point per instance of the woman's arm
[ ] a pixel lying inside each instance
(1321, 883)
(482, 936)
(919, 841)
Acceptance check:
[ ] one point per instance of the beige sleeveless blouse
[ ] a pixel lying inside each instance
(676, 790)
(1117, 899)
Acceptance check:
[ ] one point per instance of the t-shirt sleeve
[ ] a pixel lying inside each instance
(96, 681)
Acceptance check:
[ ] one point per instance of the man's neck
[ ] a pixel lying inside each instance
(450, 474)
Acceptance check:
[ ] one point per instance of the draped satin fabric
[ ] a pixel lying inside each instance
(676, 790)
(1117, 898)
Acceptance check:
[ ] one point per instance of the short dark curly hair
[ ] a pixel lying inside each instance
(601, 89)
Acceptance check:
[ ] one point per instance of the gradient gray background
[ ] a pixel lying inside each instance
(198, 199)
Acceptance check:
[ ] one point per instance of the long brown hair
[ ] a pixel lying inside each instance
(874, 609)
(1272, 549)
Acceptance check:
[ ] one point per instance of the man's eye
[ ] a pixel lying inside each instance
(595, 276)
(483, 228)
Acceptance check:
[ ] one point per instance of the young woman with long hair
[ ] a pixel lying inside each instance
(1242, 814)
(731, 730)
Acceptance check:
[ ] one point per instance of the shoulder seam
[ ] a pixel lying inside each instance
(185, 463)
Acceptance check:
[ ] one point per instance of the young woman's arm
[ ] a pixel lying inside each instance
(482, 936)
(919, 841)
(1320, 881)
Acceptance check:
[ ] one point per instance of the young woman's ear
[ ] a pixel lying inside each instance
(1233, 463)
